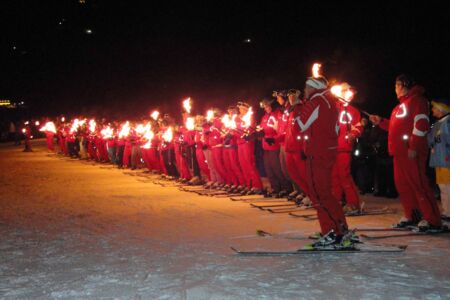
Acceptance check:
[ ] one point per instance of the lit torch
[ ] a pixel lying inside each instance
(247, 118)
(190, 124)
(168, 135)
(343, 92)
(155, 115)
(148, 136)
(49, 126)
(316, 70)
(37, 123)
(107, 132)
(229, 122)
(187, 105)
(209, 115)
(92, 125)
(125, 130)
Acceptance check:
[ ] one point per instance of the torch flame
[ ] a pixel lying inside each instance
(125, 130)
(107, 132)
(92, 125)
(247, 118)
(343, 92)
(63, 119)
(229, 122)
(49, 126)
(190, 124)
(316, 70)
(155, 115)
(209, 115)
(148, 135)
(37, 123)
(168, 135)
(187, 105)
(141, 129)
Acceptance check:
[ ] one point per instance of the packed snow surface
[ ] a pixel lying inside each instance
(73, 230)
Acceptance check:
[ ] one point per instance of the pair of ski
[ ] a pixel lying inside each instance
(357, 248)
(284, 207)
(399, 232)
(366, 212)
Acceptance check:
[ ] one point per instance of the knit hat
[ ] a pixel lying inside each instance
(442, 104)
(319, 83)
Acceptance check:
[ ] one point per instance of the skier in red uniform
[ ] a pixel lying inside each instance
(317, 124)
(269, 124)
(407, 129)
(245, 127)
(350, 129)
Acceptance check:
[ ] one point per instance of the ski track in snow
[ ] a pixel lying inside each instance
(76, 231)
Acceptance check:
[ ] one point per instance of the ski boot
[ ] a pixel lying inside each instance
(404, 223)
(292, 195)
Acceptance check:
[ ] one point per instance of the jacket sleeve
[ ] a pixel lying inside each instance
(384, 124)
(421, 123)
(357, 128)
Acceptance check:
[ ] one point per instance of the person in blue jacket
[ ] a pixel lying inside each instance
(439, 142)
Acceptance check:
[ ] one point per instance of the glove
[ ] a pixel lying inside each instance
(246, 137)
(270, 141)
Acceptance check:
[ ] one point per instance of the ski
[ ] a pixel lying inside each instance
(359, 249)
(263, 206)
(285, 210)
(412, 231)
(248, 197)
(360, 214)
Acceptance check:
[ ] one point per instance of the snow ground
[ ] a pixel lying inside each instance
(71, 230)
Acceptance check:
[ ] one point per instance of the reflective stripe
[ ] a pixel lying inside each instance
(311, 119)
(347, 116)
(417, 118)
(402, 112)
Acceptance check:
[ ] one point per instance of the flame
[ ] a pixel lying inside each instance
(209, 115)
(247, 118)
(125, 130)
(187, 105)
(75, 125)
(343, 93)
(155, 115)
(148, 135)
(37, 123)
(92, 125)
(229, 122)
(63, 119)
(141, 129)
(168, 135)
(24, 130)
(107, 132)
(316, 70)
(190, 124)
(49, 126)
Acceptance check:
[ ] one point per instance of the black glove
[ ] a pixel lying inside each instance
(204, 147)
(270, 141)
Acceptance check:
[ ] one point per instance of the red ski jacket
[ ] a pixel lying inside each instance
(349, 125)
(409, 124)
(269, 124)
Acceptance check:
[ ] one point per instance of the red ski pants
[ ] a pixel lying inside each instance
(329, 210)
(246, 154)
(342, 182)
(296, 168)
(414, 189)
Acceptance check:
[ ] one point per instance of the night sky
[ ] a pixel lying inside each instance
(122, 59)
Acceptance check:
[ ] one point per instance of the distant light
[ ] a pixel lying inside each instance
(356, 152)
(88, 31)
(60, 23)
(14, 47)
(405, 137)
(248, 40)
